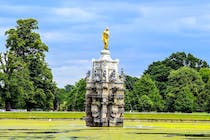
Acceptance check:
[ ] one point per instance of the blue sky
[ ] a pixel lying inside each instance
(141, 31)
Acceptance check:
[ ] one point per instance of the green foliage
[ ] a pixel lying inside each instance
(24, 42)
(145, 103)
(208, 104)
(184, 85)
(146, 87)
(129, 82)
(203, 98)
(68, 88)
(180, 59)
(62, 97)
(186, 76)
(159, 72)
(129, 96)
(184, 101)
(205, 74)
(170, 83)
(28, 82)
(169, 102)
(76, 98)
(14, 78)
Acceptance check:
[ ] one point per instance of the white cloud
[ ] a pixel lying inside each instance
(53, 36)
(74, 14)
(17, 10)
(61, 36)
(189, 20)
(14, 8)
(169, 18)
(70, 73)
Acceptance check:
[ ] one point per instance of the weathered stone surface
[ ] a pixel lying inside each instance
(104, 93)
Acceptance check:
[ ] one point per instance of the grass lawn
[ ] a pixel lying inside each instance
(127, 116)
(168, 116)
(60, 126)
(42, 115)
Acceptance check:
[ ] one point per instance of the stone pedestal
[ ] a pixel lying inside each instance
(104, 93)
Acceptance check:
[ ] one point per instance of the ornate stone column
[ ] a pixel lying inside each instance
(105, 92)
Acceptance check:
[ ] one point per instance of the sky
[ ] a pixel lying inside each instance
(141, 31)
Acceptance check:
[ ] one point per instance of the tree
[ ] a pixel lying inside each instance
(14, 77)
(181, 59)
(205, 74)
(145, 86)
(1, 103)
(76, 98)
(203, 97)
(129, 96)
(185, 80)
(24, 42)
(62, 97)
(169, 102)
(129, 82)
(184, 101)
(68, 88)
(27, 46)
(145, 103)
(208, 104)
(160, 70)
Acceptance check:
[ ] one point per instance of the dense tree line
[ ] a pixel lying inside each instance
(178, 83)
(72, 97)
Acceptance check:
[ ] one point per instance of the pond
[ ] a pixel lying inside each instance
(22, 129)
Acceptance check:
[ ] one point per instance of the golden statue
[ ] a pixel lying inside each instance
(105, 38)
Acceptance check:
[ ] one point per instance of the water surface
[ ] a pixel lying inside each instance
(12, 129)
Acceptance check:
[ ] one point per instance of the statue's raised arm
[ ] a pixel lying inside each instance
(105, 38)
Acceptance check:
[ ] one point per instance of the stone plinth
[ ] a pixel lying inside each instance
(104, 93)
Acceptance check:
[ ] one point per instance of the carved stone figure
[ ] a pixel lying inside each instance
(112, 77)
(97, 77)
(87, 75)
(104, 75)
(122, 75)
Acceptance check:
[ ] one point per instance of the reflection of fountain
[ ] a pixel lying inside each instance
(105, 93)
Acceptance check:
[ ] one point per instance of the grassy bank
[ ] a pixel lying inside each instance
(42, 115)
(168, 116)
(127, 116)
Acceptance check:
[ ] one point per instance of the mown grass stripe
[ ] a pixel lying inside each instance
(127, 116)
